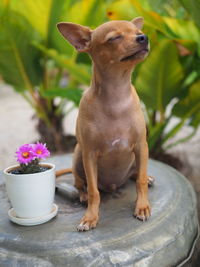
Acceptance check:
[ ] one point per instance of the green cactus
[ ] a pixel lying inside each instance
(32, 167)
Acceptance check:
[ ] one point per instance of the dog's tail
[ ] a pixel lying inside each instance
(62, 172)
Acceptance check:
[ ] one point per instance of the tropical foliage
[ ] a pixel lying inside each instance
(168, 82)
(37, 61)
(48, 73)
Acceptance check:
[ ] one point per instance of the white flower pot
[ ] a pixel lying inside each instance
(31, 195)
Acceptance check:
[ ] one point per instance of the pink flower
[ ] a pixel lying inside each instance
(25, 154)
(40, 151)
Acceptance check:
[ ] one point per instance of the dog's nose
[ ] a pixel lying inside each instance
(142, 38)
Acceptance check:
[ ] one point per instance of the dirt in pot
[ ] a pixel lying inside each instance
(18, 170)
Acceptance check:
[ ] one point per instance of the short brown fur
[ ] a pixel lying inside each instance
(110, 131)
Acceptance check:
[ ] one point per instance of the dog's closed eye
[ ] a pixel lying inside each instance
(114, 38)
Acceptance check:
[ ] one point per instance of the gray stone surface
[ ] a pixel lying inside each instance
(119, 240)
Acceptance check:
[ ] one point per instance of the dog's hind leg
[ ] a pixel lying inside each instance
(79, 175)
(134, 174)
(81, 186)
(151, 179)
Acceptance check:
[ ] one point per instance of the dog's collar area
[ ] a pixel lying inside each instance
(130, 57)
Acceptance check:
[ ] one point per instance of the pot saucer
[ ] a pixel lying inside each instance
(32, 221)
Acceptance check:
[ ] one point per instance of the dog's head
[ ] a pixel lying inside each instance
(116, 42)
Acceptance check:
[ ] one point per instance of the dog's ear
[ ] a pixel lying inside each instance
(79, 36)
(138, 22)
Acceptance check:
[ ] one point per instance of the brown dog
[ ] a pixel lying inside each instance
(111, 131)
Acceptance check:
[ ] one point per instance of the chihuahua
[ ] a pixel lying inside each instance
(110, 130)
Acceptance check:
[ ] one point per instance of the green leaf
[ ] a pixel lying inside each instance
(190, 105)
(185, 29)
(128, 9)
(155, 134)
(181, 31)
(152, 19)
(159, 77)
(81, 72)
(121, 9)
(182, 140)
(19, 61)
(188, 108)
(4, 4)
(173, 131)
(72, 94)
(195, 120)
(43, 16)
(87, 12)
(55, 15)
(193, 8)
(95, 12)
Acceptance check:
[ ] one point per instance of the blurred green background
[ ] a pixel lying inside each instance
(42, 66)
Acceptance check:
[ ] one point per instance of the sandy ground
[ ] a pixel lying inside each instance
(17, 127)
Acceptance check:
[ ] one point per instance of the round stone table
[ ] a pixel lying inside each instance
(166, 239)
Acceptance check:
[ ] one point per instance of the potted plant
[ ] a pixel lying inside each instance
(30, 186)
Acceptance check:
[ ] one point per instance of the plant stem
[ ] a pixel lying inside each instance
(182, 140)
(179, 125)
(74, 55)
(45, 76)
(69, 110)
(28, 100)
(58, 77)
(162, 116)
(154, 118)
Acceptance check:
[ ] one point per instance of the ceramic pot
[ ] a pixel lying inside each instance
(31, 195)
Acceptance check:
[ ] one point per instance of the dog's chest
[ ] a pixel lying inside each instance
(112, 126)
(116, 136)
(117, 132)
(118, 144)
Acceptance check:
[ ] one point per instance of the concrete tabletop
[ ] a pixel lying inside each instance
(166, 239)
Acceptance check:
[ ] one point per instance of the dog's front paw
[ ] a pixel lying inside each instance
(142, 210)
(87, 222)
